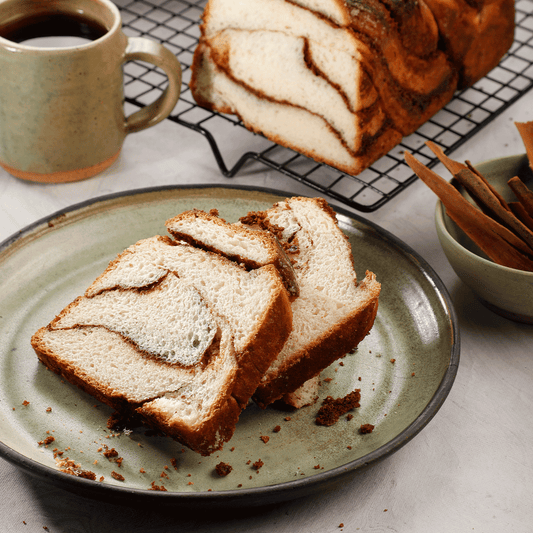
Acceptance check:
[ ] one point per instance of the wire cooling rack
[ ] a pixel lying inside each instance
(175, 23)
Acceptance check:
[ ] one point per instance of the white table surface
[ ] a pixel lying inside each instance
(470, 469)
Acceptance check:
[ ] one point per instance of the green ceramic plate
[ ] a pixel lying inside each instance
(404, 368)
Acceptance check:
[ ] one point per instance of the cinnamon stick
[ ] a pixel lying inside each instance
(526, 132)
(478, 189)
(488, 199)
(524, 195)
(454, 167)
(497, 242)
(518, 209)
(500, 198)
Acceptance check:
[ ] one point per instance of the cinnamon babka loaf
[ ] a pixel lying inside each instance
(342, 81)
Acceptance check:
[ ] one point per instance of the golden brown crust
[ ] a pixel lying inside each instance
(205, 439)
(338, 341)
(277, 258)
(475, 34)
(268, 340)
(76, 376)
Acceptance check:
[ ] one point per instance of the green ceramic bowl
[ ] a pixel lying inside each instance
(506, 291)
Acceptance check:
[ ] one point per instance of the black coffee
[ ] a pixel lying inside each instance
(53, 25)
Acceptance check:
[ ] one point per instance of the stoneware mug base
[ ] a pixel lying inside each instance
(62, 176)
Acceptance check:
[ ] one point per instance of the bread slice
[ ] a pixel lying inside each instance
(176, 335)
(243, 245)
(332, 313)
(305, 395)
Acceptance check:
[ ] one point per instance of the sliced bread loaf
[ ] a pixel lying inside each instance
(342, 81)
(177, 335)
(332, 313)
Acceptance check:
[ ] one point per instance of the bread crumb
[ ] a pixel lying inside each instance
(46, 441)
(153, 486)
(287, 418)
(142, 470)
(264, 438)
(68, 466)
(223, 469)
(111, 453)
(25, 402)
(366, 428)
(258, 464)
(333, 408)
(48, 409)
(277, 429)
(117, 476)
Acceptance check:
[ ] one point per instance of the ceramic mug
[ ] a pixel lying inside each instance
(61, 108)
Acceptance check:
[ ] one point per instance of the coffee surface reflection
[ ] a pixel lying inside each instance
(53, 30)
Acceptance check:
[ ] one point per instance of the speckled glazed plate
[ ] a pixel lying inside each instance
(405, 367)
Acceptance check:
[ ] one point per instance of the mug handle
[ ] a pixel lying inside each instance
(152, 52)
